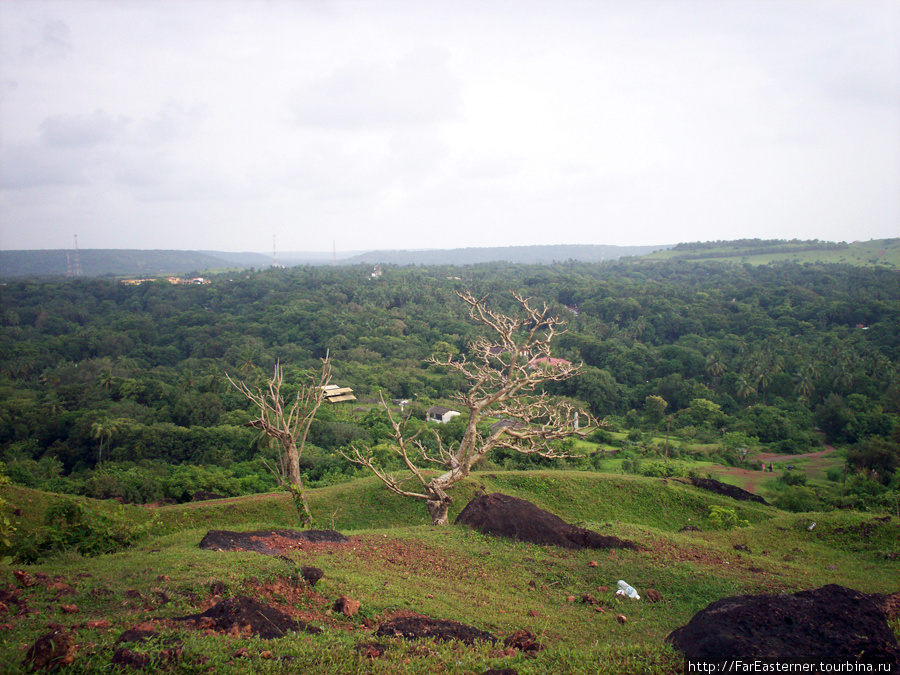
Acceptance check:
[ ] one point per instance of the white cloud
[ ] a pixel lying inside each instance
(417, 90)
(215, 124)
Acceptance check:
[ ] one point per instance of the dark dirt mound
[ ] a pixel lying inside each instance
(170, 650)
(520, 520)
(728, 490)
(413, 627)
(242, 615)
(832, 623)
(269, 542)
(204, 496)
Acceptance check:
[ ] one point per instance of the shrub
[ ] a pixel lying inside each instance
(6, 527)
(793, 478)
(835, 474)
(724, 518)
(69, 525)
(797, 499)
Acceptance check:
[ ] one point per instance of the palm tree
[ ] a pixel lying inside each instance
(106, 379)
(715, 368)
(804, 384)
(102, 428)
(744, 388)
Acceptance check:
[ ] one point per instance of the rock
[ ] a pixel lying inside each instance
(52, 650)
(60, 588)
(126, 657)
(589, 599)
(523, 641)
(69, 609)
(829, 624)
(593, 563)
(415, 627)
(728, 490)
(346, 606)
(621, 618)
(570, 598)
(265, 654)
(24, 578)
(97, 624)
(242, 614)
(653, 595)
(311, 575)
(371, 650)
(504, 516)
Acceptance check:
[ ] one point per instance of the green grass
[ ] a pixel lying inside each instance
(398, 562)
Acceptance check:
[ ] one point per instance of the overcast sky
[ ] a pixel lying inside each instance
(372, 124)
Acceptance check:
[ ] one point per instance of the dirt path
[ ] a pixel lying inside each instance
(772, 457)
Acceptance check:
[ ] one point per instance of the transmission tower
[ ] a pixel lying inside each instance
(77, 259)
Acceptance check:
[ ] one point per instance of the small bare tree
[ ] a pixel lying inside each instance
(506, 372)
(289, 426)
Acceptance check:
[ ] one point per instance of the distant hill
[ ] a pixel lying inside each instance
(875, 252)
(158, 263)
(109, 262)
(154, 263)
(511, 254)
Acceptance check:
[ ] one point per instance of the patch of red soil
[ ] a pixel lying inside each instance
(830, 624)
(414, 627)
(243, 615)
(504, 516)
(409, 555)
(271, 542)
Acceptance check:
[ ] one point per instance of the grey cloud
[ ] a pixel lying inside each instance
(30, 166)
(50, 43)
(80, 131)
(172, 122)
(419, 89)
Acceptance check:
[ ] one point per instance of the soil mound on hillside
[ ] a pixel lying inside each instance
(414, 627)
(520, 520)
(728, 490)
(269, 542)
(243, 615)
(830, 624)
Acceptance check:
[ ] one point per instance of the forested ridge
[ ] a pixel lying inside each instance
(117, 390)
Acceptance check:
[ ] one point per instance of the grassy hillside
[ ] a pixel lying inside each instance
(876, 252)
(396, 562)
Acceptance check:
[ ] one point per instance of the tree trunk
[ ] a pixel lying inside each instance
(438, 505)
(295, 484)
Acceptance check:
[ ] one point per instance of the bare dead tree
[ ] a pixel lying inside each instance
(506, 372)
(289, 426)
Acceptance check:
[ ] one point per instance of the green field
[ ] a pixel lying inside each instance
(397, 562)
(873, 253)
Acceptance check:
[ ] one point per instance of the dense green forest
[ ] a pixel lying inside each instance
(113, 390)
